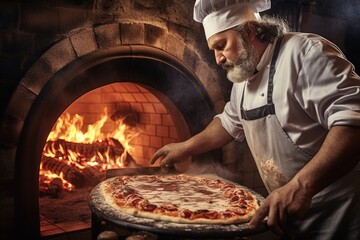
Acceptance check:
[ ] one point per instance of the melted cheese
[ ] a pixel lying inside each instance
(184, 195)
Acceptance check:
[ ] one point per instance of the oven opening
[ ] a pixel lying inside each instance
(119, 125)
(152, 93)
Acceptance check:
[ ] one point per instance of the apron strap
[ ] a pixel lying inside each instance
(269, 108)
(273, 70)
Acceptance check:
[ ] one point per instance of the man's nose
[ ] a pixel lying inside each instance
(220, 59)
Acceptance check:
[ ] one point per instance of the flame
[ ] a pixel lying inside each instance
(68, 129)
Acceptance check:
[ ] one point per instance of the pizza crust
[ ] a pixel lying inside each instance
(164, 190)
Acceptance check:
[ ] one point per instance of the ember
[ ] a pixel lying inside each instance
(73, 158)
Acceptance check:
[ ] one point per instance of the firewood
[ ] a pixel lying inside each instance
(93, 175)
(55, 188)
(70, 174)
(87, 151)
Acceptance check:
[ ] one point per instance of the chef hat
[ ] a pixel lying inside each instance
(220, 15)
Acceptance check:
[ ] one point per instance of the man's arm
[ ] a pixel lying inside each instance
(338, 155)
(212, 137)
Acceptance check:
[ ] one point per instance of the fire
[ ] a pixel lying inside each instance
(85, 151)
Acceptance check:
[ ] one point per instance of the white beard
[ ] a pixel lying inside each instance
(245, 65)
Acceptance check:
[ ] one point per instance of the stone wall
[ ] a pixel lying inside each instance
(40, 38)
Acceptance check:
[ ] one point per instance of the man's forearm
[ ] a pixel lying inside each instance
(212, 137)
(339, 154)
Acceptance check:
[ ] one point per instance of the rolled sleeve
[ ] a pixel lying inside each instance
(330, 89)
(230, 116)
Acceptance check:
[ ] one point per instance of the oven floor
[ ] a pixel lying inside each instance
(64, 231)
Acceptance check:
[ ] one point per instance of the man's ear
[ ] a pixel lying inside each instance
(250, 30)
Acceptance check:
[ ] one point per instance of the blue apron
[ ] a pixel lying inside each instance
(335, 211)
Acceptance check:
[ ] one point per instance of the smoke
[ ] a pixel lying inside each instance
(213, 168)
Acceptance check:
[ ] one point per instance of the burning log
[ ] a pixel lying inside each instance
(110, 147)
(93, 175)
(70, 173)
(52, 189)
(55, 188)
(90, 175)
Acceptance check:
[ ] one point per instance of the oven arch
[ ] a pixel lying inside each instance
(62, 82)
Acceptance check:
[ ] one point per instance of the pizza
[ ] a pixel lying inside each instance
(180, 198)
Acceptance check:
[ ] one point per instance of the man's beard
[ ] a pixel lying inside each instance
(245, 65)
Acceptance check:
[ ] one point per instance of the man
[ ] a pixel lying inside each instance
(296, 100)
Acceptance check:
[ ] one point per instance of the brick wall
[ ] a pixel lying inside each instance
(155, 124)
(40, 40)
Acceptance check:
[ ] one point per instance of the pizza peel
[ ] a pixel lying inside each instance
(105, 212)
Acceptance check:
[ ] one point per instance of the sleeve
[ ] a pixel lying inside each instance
(328, 87)
(229, 118)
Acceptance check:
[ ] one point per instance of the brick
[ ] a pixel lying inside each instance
(162, 131)
(108, 35)
(123, 107)
(155, 119)
(188, 58)
(160, 108)
(60, 54)
(150, 129)
(21, 102)
(84, 42)
(38, 76)
(148, 108)
(132, 33)
(156, 142)
(119, 87)
(175, 47)
(151, 98)
(128, 97)
(136, 107)
(144, 118)
(149, 152)
(142, 89)
(168, 140)
(143, 140)
(167, 120)
(155, 36)
(140, 97)
(131, 87)
(112, 97)
(106, 89)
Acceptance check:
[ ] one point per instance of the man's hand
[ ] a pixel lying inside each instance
(170, 154)
(289, 201)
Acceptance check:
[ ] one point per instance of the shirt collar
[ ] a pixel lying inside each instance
(265, 58)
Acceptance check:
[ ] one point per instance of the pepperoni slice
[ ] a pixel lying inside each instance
(186, 213)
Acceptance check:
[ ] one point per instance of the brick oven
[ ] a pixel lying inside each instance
(145, 59)
(139, 57)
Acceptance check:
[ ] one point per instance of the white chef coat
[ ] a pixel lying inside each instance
(315, 87)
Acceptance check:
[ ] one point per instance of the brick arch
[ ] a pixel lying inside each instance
(104, 38)
(86, 49)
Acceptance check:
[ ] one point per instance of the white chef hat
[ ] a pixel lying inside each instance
(219, 15)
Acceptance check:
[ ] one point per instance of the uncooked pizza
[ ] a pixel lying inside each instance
(180, 198)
